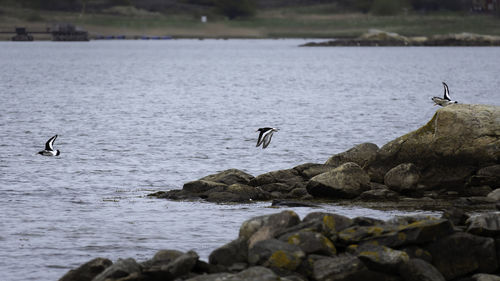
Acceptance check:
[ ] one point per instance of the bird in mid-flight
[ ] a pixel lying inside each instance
(49, 148)
(446, 100)
(265, 136)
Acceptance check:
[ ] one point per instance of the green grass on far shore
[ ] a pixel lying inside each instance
(310, 22)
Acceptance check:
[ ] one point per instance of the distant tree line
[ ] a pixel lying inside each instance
(244, 8)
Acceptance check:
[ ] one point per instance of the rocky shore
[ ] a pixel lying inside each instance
(326, 246)
(382, 38)
(453, 160)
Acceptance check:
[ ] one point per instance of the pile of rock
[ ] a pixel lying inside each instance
(375, 37)
(455, 156)
(325, 246)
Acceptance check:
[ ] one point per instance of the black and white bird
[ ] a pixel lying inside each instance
(265, 136)
(49, 148)
(446, 100)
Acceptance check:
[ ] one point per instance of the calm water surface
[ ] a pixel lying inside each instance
(140, 116)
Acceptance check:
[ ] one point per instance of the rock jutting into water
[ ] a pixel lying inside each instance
(376, 37)
(326, 246)
(452, 160)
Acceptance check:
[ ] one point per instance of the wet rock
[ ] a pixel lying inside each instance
(462, 253)
(456, 215)
(456, 142)
(280, 187)
(229, 177)
(250, 226)
(316, 170)
(233, 252)
(289, 177)
(164, 257)
(182, 265)
(360, 154)
(484, 225)
(277, 254)
(299, 193)
(200, 186)
(366, 221)
(273, 226)
(87, 271)
(357, 234)
(420, 270)
(345, 181)
(121, 268)
(238, 193)
(494, 195)
(311, 242)
(292, 203)
(382, 259)
(259, 273)
(415, 252)
(402, 178)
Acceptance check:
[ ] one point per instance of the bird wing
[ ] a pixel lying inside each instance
(267, 139)
(446, 92)
(260, 139)
(49, 144)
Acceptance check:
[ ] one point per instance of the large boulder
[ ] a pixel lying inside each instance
(200, 186)
(489, 176)
(402, 178)
(345, 181)
(235, 251)
(360, 154)
(238, 193)
(230, 176)
(121, 268)
(459, 140)
(462, 253)
(277, 254)
(274, 225)
(484, 224)
(251, 274)
(289, 177)
(87, 271)
(311, 242)
(420, 270)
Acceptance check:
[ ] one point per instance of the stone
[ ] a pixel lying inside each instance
(298, 193)
(455, 215)
(250, 226)
(277, 254)
(87, 271)
(229, 177)
(402, 178)
(199, 186)
(494, 195)
(310, 242)
(489, 176)
(462, 253)
(485, 277)
(360, 154)
(345, 181)
(456, 142)
(487, 224)
(292, 203)
(366, 221)
(477, 190)
(416, 252)
(273, 226)
(255, 273)
(379, 195)
(280, 187)
(164, 257)
(235, 251)
(316, 170)
(381, 258)
(182, 265)
(420, 270)
(328, 224)
(289, 177)
(121, 268)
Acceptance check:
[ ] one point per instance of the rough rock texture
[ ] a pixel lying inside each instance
(345, 181)
(87, 271)
(230, 176)
(459, 140)
(420, 270)
(402, 178)
(274, 253)
(360, 154)
(484, 225)
(290, 177)
(121, 268)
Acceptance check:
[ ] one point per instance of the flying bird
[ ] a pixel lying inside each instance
(446, 100)
(49, 148)
(265, 136)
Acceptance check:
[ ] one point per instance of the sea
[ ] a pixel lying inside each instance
(134, 117)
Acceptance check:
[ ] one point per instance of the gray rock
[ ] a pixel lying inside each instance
(484, 224)
(379, 195)
(494, 195)
(456, 215)
(289, 177)
(182, 265)
(477, 190)
(272, 187)
(420, 270)
(121, 268)
(238, 193)
(273, 226)
(345, 181)
(87, 271)
(381, 258)
(199, 186)
(329, 224)
(298, 192)
(277, 254)
(235, 251)
(230, 176)
(360, 154)
(416, 252)
(316, 170)
(164, 257)
(402, 178)
(310, 242)
(250, 226)
(457, 141)
(255, 273)
(485, 277)
(462, 253)
(292, 203)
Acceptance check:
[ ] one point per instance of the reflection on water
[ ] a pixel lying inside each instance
(135, 117)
